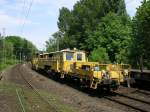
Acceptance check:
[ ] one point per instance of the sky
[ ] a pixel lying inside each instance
(36, 20)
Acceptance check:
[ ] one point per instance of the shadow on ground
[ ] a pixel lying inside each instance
(75, 85)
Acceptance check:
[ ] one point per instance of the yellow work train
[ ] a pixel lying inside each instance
(74, 64)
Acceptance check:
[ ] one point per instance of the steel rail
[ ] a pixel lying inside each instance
(143, 92)
(20, 101)
(125, 104)
(35, 90)
(133, 98)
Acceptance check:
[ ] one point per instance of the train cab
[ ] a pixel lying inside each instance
(59, 61)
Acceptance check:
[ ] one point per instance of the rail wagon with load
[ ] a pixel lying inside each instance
(74, 64)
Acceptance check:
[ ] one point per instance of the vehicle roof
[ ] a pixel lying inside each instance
(65, 50)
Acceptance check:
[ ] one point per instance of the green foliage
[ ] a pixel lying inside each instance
(50, 45)
(14, 48)
(21, 47)
(99, 55)
(5, 48)
(8, 62)
(113, 35)
(93, 24)
(140, 49)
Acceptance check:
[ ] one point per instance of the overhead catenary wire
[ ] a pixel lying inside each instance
(25, 11)
(22, 12)
(26, 15)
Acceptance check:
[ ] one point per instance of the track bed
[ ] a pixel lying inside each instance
(72, 96)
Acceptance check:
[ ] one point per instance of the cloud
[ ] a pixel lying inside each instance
(42, 19)
(2, 2)
(10, 21)
(56, 3)
(131, 6)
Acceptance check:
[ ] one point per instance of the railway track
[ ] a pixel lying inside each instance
(30, 86)
(142, 92)
(130, 101)
(133, 98)
(123, 99)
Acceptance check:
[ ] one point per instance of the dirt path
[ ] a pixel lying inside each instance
(67, 94)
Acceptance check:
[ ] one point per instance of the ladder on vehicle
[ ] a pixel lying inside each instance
(93, 85)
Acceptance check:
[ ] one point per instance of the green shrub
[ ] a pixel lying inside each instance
(99, 55)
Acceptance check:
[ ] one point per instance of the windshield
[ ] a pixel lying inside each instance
(96, 68)
(79, 57)
(69, 56)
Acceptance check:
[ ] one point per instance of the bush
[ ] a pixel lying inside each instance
(99, 55)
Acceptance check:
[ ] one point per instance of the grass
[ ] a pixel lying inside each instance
(8, 62)
(31, 101)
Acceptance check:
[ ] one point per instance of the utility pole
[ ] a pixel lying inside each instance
(0, 49)
(16, 61)
(58, 40)
(4, 58)
(20, 55)
(57, 44)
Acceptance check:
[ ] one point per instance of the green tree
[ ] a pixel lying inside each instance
(86, 25)
(99, 54)
(21, 47)
(6, 49)
(50, 45)
(113, 35)
(13, 48)
(140, 52)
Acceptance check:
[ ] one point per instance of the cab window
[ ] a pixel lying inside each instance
(96, 68)
(41, 56)
(50, 55)
(85, 67)
(69, 56)
(79, 57)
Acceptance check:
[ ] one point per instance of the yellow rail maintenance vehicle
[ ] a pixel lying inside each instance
(73, 64)
(95, 75)
(119, 73)
(59, 61)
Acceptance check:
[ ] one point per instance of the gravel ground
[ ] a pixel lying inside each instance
(69, 94)
(8, 102)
